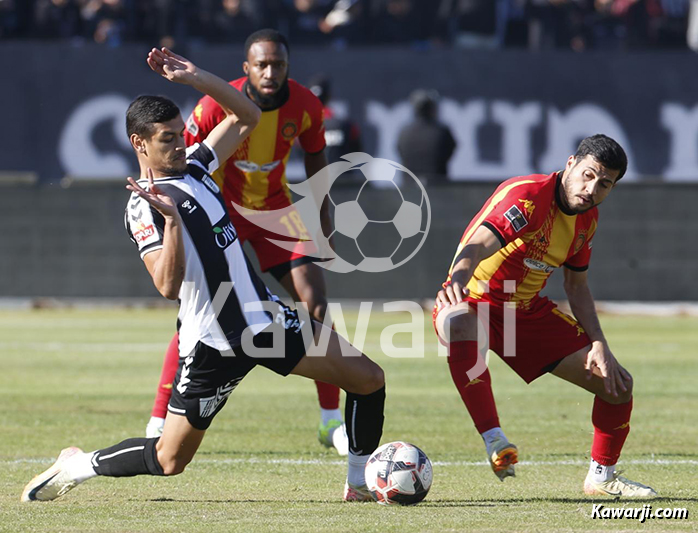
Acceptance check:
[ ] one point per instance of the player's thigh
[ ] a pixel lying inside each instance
(178, 443)
(456, 323)
(332, 359)
(571, 369)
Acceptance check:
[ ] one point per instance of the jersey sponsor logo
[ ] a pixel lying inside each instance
(224, 234)
(206, 180)
(250, 166)
(289, 129)
(198, 111)
(192, 126)
(145, 235)
(516, 218)
(538, 265)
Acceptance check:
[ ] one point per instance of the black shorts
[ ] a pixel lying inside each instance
(206, 378)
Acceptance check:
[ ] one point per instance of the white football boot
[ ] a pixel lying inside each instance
(53, 482)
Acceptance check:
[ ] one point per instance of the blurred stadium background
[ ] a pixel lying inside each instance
(518, 84)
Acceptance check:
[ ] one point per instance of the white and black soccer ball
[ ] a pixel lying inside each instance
(387, 221)
(398, 472)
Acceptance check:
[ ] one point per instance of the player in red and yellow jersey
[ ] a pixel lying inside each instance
(529, 227)
(255, 178)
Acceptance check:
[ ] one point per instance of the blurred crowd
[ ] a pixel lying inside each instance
(535, 24)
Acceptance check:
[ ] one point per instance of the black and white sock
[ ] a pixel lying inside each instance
(132, 457)
(363, 414)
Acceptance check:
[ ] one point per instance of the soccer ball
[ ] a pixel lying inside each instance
(386, 223)
(398, 472)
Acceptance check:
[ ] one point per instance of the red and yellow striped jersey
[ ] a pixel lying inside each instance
(537, 237)
(255, 176)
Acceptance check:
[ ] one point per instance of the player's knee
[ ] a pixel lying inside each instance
(372, 380)
(172, 465)
(317, 307)
(461, 327)
(627, 395)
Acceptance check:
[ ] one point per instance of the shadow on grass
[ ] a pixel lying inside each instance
(490, 502)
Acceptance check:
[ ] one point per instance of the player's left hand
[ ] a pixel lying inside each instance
(171, 66)
(601, 361)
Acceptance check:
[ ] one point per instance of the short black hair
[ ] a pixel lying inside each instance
(146, 110)
(606, 151)
(266, 35)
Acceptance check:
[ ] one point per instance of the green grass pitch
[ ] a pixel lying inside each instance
(86, 378)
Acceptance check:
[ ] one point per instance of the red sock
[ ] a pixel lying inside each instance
(328, 395)
(611, 427)
(169, 370)
(476, 393)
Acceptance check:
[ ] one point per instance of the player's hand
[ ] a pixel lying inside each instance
(171, 66)
(601, 361)
(162, 202)
(453, 293)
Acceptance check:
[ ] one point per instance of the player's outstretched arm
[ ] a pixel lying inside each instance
(242, 114)
(600, 359)
(481, 245)
(165, 265)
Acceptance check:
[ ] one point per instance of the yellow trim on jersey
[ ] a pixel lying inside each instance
(307, 122)
(261, 151)
(489, 266)
(493, 203)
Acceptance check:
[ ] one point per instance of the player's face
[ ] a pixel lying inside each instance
(165, 149)
(586, 183)
(267, 67)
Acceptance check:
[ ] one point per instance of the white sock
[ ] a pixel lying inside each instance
(492, 435)
(600, 473)
(330, 414)
(156, 421)
(357, 465)
(79, 467)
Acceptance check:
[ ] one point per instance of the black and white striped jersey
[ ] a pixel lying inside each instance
(213, 256)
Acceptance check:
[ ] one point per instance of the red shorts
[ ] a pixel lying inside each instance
(542, 337)
(289, 229)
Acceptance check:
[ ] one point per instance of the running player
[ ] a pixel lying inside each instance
(255, 178)
(529, 227)
(179, 221)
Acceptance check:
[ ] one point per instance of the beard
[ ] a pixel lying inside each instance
(175, 169)
(269, 101)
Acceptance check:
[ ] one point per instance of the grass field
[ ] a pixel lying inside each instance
(86, 378)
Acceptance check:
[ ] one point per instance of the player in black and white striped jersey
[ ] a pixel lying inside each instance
(177, 219)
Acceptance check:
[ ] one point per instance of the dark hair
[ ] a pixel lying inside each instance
(425, 103)
(266, 36)
(606, 151)
(146, 110)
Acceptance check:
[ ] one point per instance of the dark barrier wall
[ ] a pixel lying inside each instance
(72, 243)
(512, 112)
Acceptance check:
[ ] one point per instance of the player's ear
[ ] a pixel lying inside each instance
(246, 68)
(137, 142)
